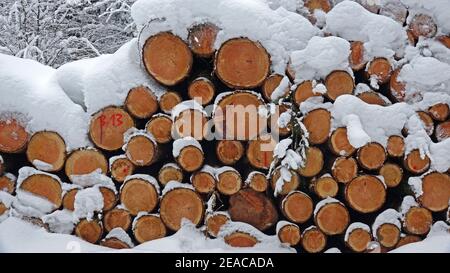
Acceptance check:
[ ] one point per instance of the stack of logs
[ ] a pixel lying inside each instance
(309, 214)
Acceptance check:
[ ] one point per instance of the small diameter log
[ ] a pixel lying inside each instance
(371, 97)
(3, 209)
(169, 100)
(141, 150)
(439, 111)
(418, 221)
(275, 127)
(379, 69)
(49, 148)
(304, 91)
(318, 124)
(332, 218)
(204, 181)
(436, 191)
(407, 239)
(141, 102)
(339, 83)
(270, 84)
(229, 181)
(13, 137)
(215, 221)
(138, 194)
(416, 163)
(339, 143)
(201, 90)
(388, 235)
(427, 122)
(356, 58)
(237, 117)
(358, 237)
(117, 218)
(170, 172)
(108, 126)
(324, 5)
(229, 151)
(240, 239)
(324, 187)
(287, 186)
(167, 58)
(297, 207)
(190, 123)
(160, 127)
(313, 162)
(313, 240)
(254, 208)
(392, 174)
(422, 25)
(44, 186)
(395, 10)
(68, 200)
(444, 39)
(109, 198)
(89, 230)
(395, 146)
(201, 39)
(442, 131)
(289, 234)
(114, 243)
(181, 203)
(85, 161)
(260, 151)
(148, 227)
(257, 181)
(120, 167)
(365, 194)
(344, 169)
(371, 156)
(188, 153)
(397, 88)
(8, 183)
(242, 63)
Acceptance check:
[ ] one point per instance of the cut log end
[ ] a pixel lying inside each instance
(201, 90)
(44, 186)
(365, 194)
(114, 243)
(339, 83)
(290, 234)
(191, 123)
(229, 182)
(273, 121)
(13, 136)
(242, 63)
(442, 131)
(108, 126)
(215, 222)
(169, 173)
(371, 156)
(388, 235)
(229, 151)
(332, 218)
(190, 158)
(138, 195)
(121, 168)
(7, 184)
(117, 218)
(297, 207)
(85, 161)
(260, 151)
(169, 100)
(344, 169)
(201, 39)
(178, 204)
(324, 5)
(436, 191)
(356, 58)
(240, 239)
(314, 240)
(427, 122)
(415, 163)
(141, 102)
(395, 146)
(203, 182)
(303, 92)
(313, 163)
(47, 147)
(109, 198)
(68, 200)
(270, 84)
(288, 186)
(339, 143)
(258, 182)
(318, 124)
(325, 187)
(161, 128)
(167, 58)
(408, 239)
(358, 240)
(439, 111)
(392, 174)
(422, 25)
(149, 227)
(418, 221)
(380, 69)
(89, 230)
(371, 97)
(141, 151)
(445, 40)
(397, 88)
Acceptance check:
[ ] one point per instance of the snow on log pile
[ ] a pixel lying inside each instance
(346, 130)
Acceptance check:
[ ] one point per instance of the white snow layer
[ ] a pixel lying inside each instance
(60, 221)
(121, 235)
(87, 202)
(353, 226)
(181, 143)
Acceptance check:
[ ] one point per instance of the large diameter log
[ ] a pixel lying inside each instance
(304, 91)
(201, 39)
(85, 161)
(108, 127)
(339, 83)
(371, 156)
(141, 150)
(160, 126)
(202, 90)
(416, 163)
(117, 218)
(297, 207)
(167, 58)
(344, 169)
(141, 102)
(392, 174)
(214, 223)
(240, 239)
(313, 240)
(7, 183)
(439, 111)
(289, 234)
(270, 84)
(89, 230)
(318, 124)
(169, 100)
(379, 69)
(46, 147)
(44, 186)
(181, 203)
(313, 162)
(237, 117)
(120, 168)
(339, 143)
(324, 187)
(13, 136)
(229, 151)
(422, 25)
(365, 193)
(229, 181)
(288, 186)
(395, 146)
(418, 221)
(442, 131)
(138, 195)
(242, 63)
(148, 227)
(253, 208)
(356, 58)
(170, 172)
(435, 191)
(332, 218)
(260, 151)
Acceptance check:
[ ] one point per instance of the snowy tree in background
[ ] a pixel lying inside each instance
(54, 32)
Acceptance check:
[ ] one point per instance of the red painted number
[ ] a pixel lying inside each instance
(115, 120)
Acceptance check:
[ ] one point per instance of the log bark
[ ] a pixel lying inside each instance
(436, 191)
(422, 25)
(339, 83)
(332, 218)
(270, 84)
(318, 124)
(356, 58)
(288, 186)
(418, 221)
(289, 234)
(117, 218)
(388, 235)
(48, 147)
(395, 146)
(68, 201)
(313, 163)
(142, 151)
(141, 103)
(160, 127)
(240, 239)
(201, 39)
(168, 101)
(313, 240)
(89, 230)
(121, 168)
(170, 172)
(229, 182)
(358, 240)
(13, 136)
(297, 207)
(344, 169)
(7, 183)
(260, 151)
(214, 222)
(415, 163)
(149, 227)
(371, 156)
(167, 58)
(365, 194)
(303, 92)
(44, 186)
(257, 181)
(189, 205)
(229, 151)
(85, 161)
(242, 63)
(339, 143)
(442, 131)
(108, 126)
(138, 195)
(190, 158)
(324, 187)
(380, 69)
(439, 111)
(202, 90)
(392, 174)
(254, 208)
